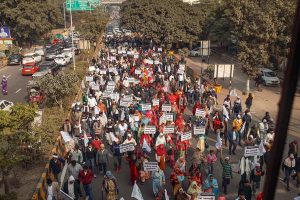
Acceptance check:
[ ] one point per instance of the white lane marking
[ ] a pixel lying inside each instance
(18, 90)
(20, 69)
(8, 76)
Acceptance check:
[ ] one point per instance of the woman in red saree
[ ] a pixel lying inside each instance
(134, 173)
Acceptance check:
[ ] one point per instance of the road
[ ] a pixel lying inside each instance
(16, 84)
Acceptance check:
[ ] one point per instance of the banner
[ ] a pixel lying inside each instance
(186, 136)
(111, 83)
(131, 79)
(206, 196)
(95, 87)
(199, 130)
(124, 103)
(103, 71)
(110, 87)
(251, 151)
(166, 108)
(149, 130)
(126, 147)
(89, 78)
(151, 166)
(169, 129)
(169, 117)
(146, 107)
(5, 32)
(112, 69)
(200, 112)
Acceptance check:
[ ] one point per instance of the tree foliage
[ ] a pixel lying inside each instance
(260, 30)
(30, 19)
(91, 24)
(168, 21)
(56, 88)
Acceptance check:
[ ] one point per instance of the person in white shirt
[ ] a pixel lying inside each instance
(122, 128)
(92, 101)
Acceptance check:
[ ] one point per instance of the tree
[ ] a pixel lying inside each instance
(261, 31)
(169, 21)
(29, 19)
(14, 125)
(56, 88)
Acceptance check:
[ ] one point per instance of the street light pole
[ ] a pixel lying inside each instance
(73, 54)
(64, 5)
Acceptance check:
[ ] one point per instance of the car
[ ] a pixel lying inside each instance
(269, 77)
(6, 105)
(40, 51)
(31, 58)
(62, 59)
(68, 52)
(52, 53)
(14, 59)
(50, 67)
(30, 69)
(195, 52)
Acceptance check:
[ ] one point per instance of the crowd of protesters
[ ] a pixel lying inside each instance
(140, 106)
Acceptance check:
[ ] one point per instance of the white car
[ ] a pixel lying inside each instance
(40, 51)
(5, 105)
(68, 52)
(31, 58)
(62, 59)
(269, 77)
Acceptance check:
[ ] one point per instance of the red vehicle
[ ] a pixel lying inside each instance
(30, 69)
(35, 96)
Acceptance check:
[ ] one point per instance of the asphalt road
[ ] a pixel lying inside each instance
(16, 84)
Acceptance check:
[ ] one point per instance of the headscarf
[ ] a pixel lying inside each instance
(207, 183)
(192, 190)
(109, 175)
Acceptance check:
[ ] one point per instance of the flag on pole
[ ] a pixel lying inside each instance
(136, 192)
(86, 140)
(146, 146)
(166, 195)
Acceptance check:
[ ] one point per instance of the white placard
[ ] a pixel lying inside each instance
(251, 151)
(186, 136)
(137, 71)
(156, 62)
(66, 136)
(169, 117)
(127, 98)
(110, 87)
(182, 67)
(166, 108)
(89, 78)
(92, 68)
(113, 50)
(126, 147)
(120, 52)
(150, 166)
(105, 94)
(199, 130)
(136, 56)
(103, 71)
(223, 70)
(169, 129)
(112, 69)
(113, 95)
(155, 102)
(111, 83)
(131, 79)
(124, 103)
(129, 53)
(200, 112)
(150, 62)
(206, 196)
(113, 58)
(146, 107)
(149, 130)
(95, 87)
(159, 49)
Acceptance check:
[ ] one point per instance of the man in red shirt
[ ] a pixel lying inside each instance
(86, 177)
(96, 143)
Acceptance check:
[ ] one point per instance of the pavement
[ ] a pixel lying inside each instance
(17, 91)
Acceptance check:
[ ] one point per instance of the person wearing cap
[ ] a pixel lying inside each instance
(72, 188)
(226, 173)
(102, 159)
(86, 177)
(56, 165)
(255, 177)
(288, 166)
(110, 186)
(73, 170)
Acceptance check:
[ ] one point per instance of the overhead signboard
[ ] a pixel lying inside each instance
(223, 70)
(82, 5)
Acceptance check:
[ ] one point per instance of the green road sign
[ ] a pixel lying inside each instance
(82, 5)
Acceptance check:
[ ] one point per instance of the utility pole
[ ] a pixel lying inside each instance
(73, 54)
(64, 5)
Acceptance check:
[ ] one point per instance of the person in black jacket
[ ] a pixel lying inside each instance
(298, 171)
(255, 177)
(71, 188)
(56, 166)
(90, 154)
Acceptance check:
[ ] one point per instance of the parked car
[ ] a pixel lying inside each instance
(68, 52)
(5, 105)
(31, 58)
(62, 59)
(40, 51)
(30, 69)
(52, 53)
(269, 77)
(14, 59)
(195, 52)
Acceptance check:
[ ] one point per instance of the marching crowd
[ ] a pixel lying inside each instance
(141, 107)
